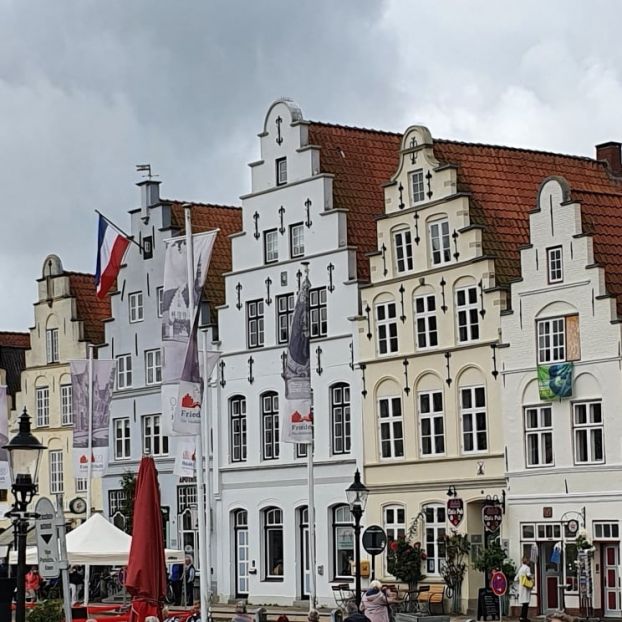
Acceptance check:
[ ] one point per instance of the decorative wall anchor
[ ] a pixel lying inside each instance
(351, 355)
(281, 215)
(308, 222)
(251, 361)
(279, 138)
(495, 372)
(482, 311)
(363, 367)
(367, 313)
(238, 289)
(256, 219)
(318, 367)
(283, 361)
(383, 249)
(401, 290)
(268, 283)
(330, 267)
(428, 177)
(444, 305)
(413, 155)
(406, 383)
(223, 382)
(417, 238)
(454, 236)
(401, 190)
(299, 278)
(448, 379)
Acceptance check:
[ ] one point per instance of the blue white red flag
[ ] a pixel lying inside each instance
(111, 247)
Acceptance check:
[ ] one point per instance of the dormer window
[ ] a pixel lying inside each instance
(555, 265)
(281, 171)
(416, 186)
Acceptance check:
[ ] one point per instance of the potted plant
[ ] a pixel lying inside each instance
(457, 548)
(404, 561)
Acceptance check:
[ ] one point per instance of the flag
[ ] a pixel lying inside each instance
(185, 457)
(555, 381)
(297, 424)
(5, 478)
(102, 382)
(111, 247)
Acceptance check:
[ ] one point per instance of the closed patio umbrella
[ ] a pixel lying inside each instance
(146, 570)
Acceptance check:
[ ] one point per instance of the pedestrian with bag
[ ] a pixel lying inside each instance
(525, 581)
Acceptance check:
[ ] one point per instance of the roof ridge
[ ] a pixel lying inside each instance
(199, 204)
(77, 273)
(359, 129)
(13, 332)
(598, 192)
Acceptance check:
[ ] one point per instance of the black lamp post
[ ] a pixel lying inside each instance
(24, 458)
(356, 494)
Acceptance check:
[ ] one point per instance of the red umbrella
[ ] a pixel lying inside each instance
(146, 569)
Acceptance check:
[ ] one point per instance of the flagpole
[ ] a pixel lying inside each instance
(310, 479)
(125, 235)
(198, 438)
(205, 432)
(87, 568)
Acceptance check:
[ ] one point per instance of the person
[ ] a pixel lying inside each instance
(189, 573)
(313, 616)
(354, 615)
(152, 619)
(282, 618)
(195, 615)
(76, 581)
(176, 577)
(240, 614)
(33, 585)
(524, 578)
(375, 603)
(167, 616)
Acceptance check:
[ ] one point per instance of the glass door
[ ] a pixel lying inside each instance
(241, 553)
(549, 578)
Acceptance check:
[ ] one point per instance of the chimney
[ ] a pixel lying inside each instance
(149, 193)
(611, 153)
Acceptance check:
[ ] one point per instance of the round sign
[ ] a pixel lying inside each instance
(498, 583)
(572, 526)
(374, 540)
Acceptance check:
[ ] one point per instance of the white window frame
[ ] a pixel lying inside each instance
(273, 521)
(467, 314)
(271, 246)
(160, 301)
(589, 430)
(81, 484)
(426, 322)
(122, 438)
(340, 419)
(255, 323)
(318, 312)
(555, 264)
(124, 371)
(429, 414)
(474, 420)
(440, 242)
(403, 249)
(390, 428)
(153, 366)
(541, 431)
(606, 530)
(51, 345)
(435, 529)
(342, 531)
(155, 442)
(551, 342)
(387, 340)
(285, 306)
(417, 186)
(57, 475)
(270, 433)
(297, 240)
(281, 171)
(136, 307)
(66, 405)
(238, 426)
(42, 401)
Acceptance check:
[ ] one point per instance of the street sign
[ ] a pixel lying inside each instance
(455, 511)
(47, 539)
(374, 540)
(498, 583)
(492, 517)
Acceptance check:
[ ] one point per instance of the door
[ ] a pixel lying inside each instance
(241, 553)
(305, 578)
(611, 580)
(549, 578)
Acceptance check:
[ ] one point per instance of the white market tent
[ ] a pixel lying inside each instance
(99, 543)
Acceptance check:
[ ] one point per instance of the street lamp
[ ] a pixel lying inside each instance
(356, 494)
(24, 458)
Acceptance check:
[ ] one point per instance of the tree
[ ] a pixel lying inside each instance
(404, 561)
(494, 557)
(128, 485)
(457, 548)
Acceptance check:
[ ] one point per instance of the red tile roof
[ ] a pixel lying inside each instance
(205, 217)
(14, 340)
(91, 311)
(13, 348)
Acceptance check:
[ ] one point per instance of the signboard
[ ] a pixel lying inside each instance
(47, 539)
(455, 511)
(572, 527)
(374, 540)
(492, 517)
(498, 583)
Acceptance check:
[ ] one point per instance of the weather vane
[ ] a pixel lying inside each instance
(145, 168)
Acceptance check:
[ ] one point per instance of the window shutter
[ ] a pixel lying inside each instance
(573, 339)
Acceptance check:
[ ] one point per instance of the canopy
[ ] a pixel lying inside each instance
(99, 543)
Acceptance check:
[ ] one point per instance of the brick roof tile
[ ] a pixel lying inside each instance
(90, 310)
(10, 339)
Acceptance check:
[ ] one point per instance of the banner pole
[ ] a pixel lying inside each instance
(206, 438)
(87, 568)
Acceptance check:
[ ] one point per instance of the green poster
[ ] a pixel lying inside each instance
(555, 381)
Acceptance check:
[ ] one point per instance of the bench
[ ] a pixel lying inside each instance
(433, 594)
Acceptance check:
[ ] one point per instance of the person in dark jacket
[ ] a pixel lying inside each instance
(354, 615)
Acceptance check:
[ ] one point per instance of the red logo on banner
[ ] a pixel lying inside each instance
(492, 517)
(188, 402)
(455, 511)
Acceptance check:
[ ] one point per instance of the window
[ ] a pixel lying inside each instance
(402, 243)
(186, 497)
(606, 530)
(302, 450)
(559, 339)
(273, 543)
(122, 449)
(237, 416)
(539, 436)
(155, 443)
(386, 324)
(391, 427)
(81, 484)
(281, 171)
(340, 418)
(254, 323)
(434, 538)
(394, 521)
(160, 300)
(271, 246)
(297, 240)
(56, 472)
(425, 313)
(270, 425)
(153, 366)
(124, 371)
(42, 399)
(284, 314)
(588, 433)
(473, 414)
(318, 312)
(431, 423)
(343, 541)
(135, 301)
(116, 501)
(241, 552)
(51, 345)
(468, 315)
(417, 186)
(439, 242)
(555, 264)
(66, 411)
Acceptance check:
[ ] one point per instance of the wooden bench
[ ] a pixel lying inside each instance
(433, 594)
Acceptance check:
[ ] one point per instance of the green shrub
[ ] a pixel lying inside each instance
(47, 611)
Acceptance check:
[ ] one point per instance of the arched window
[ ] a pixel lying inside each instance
(403, 250)
(237, 419)
(273, 543)
(434, 534)
(270, 424)
(394, 523)
(340, 418)
(240, 529)
(343, 541)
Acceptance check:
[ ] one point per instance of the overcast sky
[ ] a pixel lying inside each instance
(88, 89)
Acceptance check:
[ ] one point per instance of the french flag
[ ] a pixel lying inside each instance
(111, 246)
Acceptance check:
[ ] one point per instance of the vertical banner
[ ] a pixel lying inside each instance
(103, 383)
(297, 424)
(5, 477)
(179, 334)
(185, 457)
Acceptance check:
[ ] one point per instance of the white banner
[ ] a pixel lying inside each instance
(185, 457)
(102, 383)
(5, 477)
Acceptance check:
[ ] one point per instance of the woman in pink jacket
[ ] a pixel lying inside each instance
(375, 603)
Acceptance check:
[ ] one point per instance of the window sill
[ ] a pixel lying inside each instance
(272, 580)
